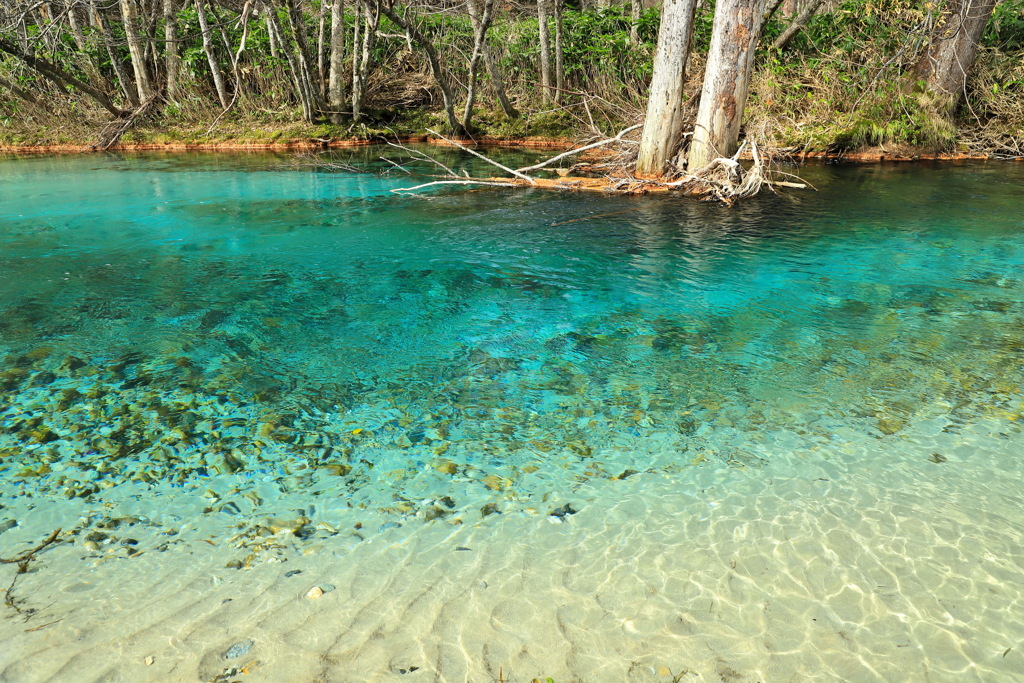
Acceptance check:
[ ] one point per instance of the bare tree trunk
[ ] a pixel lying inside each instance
(559, 52)
(481, 18)
(798, 23)
(357, 86)
(336, 86)
(943, 69)
(545, 51)
(172, 57)
(124, 81)
(498, 85)
(92, 65)
(272, 36)
(363, 54)
(321, 52)
(211, 58)
(440, 75)
(135, 48)
(726, 81)
(663, 126)
(636, 8)
(305, 60)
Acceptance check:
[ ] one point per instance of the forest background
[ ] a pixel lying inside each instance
(828, 77)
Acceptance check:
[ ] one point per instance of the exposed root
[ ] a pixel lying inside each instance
(112, 132)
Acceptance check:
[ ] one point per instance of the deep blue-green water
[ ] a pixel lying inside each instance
(179, 318)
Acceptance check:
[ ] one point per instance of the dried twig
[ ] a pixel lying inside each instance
(617, 138)
(481, 156)
(23, 562)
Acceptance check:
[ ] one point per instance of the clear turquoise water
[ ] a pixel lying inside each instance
(184, 318)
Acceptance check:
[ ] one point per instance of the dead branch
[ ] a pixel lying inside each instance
(481, 156)
(571, 152)
(496, 183)
(23, 561)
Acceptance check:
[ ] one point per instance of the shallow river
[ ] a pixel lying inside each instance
(508, 434)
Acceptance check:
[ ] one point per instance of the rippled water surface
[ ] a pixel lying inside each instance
(229, 321)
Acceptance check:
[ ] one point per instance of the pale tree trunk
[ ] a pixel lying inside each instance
(498, 84)
(663, 126)
(481, 19)
(944, 68)
(545, 50)
(123, 79)
(93, 67)
(305, 60)
(321, 52)
(726, 81)
(636, 8)
(357, 92)
(336, 86)
(363, 53)
(559, 52)
(492, 68)
(798, 23)
(440, 75)
(130, 17)
(272, 37)
(211, 58)
(172, 56)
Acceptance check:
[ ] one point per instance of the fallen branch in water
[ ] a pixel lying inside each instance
(23, 562)
(572, 152)
(481, 156)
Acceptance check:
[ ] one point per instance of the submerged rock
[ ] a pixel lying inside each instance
(239, 649)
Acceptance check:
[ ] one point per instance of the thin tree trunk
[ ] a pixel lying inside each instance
(435, 65)
(304, 59)
(294, 66)
(481, 19)
(734, 36)
(123, 80)
(272, 37)
(321, 70)
(636, 8)
(559, 52)
(357, 86)
(663, 126)
(361, 71)
(130, 17)
(545, 51)
(798, 23)
(172, 56)
(211, 58)
(498, 84)
(336, 87)
(92, 66)
(944, 68)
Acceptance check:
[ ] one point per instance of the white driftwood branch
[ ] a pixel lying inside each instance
(481, 156)
(608, 141)
(454, 182)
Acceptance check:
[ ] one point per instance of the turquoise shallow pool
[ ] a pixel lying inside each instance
(182, 317)
(797, 412)
(491, 324)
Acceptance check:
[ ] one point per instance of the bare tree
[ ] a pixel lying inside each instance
(730, 63)
(663, 126)
(336, 85)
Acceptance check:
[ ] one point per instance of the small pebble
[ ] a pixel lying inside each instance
(294, 572)
(388, 525)
(239, 649)
(7, 525)
(150, 660)
(315, 592)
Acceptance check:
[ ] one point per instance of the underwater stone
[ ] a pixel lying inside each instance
(239, 649)
(890, 425)
(489, 509)
(314, 593)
